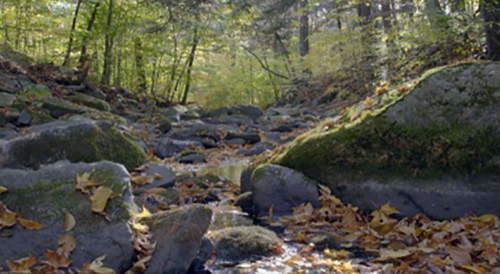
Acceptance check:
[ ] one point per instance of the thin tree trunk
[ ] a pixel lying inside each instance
(491, 14)
(190, 66)
(83, 54)
(106, 74)
(72, 34)
(304, 29)
(142, 86)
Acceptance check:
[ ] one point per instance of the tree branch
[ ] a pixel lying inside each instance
(264, 65)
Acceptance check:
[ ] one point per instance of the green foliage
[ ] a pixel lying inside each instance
(34, 93)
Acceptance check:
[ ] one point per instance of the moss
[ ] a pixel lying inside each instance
(89, 101)
(93, 145)
(376, 147)
(48, 202)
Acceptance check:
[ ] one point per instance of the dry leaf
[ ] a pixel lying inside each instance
(83, 182)
(21, 266)
(69, 222)
(57, 260)
(7, 217)
(66, 245)
(2, 189)
(100, 199)
(460, 255)
(31, 225)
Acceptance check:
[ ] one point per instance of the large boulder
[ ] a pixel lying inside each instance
(6, 99)
(281, 189)
(46, 195)
(178, 235)
(431, 149)
(58, 107)
(85, 141)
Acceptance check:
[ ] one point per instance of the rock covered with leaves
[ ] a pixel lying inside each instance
(428, 149)
(67, 214)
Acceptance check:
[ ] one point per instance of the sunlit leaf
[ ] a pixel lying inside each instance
(83, 182)
(66, 245)
(100, 199)
(28, 224)
(69, 222)
(22, 265)
(2, 190)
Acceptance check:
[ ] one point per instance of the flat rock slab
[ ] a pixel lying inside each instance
(46, 195)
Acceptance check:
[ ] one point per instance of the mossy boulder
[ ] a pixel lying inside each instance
(237, 244)
(58, 107)
(89, 101)
(85, 141)
(45, 195)
(438, 139)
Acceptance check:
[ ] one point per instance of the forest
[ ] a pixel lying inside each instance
(249, 136)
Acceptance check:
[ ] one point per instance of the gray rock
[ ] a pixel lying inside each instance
(245, 179)
(237, 244)
(273, 136)
(245, 202)
(167, 147)
(58, 107)
(218, 112)
(281, 188)
(246, 110)
(178, 235)
(76, 142)
(155, 199)
(168, 176)
(236, 141)
(89, 101)
(433, 149)
(24, 119)
(223, 218)
(6, 99)
(193, 158)
(46, 195)
(205, 252)
(250, 138)
(190, 115)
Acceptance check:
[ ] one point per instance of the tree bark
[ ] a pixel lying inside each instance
(196, 40)
(304, 29)
(436, 15)
(106, 74)
(72, 34)
(139, 63)
(491, 14)
(83, 54)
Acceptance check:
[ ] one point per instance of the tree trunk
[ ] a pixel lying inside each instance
(83, 54)
(386, 15)
(491, 14)
(457, 6)
(142, 85)
(72, 34)
(436, 15)
(106, 74)
(190, 65)
(304, 28)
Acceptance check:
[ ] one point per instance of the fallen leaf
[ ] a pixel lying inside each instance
(142, 180)
(2, 189)
(57, 260)
(475, 269)
(388, 254)
(337, 254)
(100, 199)
(388, 209)
(459, 255)
(69, 222)
(28, 224)
(22, 265)
(7, 217)
(97, 267)
(66, 245)
(83, 182)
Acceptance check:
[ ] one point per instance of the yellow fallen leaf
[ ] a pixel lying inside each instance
(388, 254)
(28, 224)
(475, 269)
(2, 189)
(66, 245)
(337, 254)
(142, 180)
(143, 214)
(83, 182)
(7, 217)
(388, 209)
(140, 227)
(22, 265)
(158, 176)
(97, 267)
(100, 199)
(488, 219)
(69, 222)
